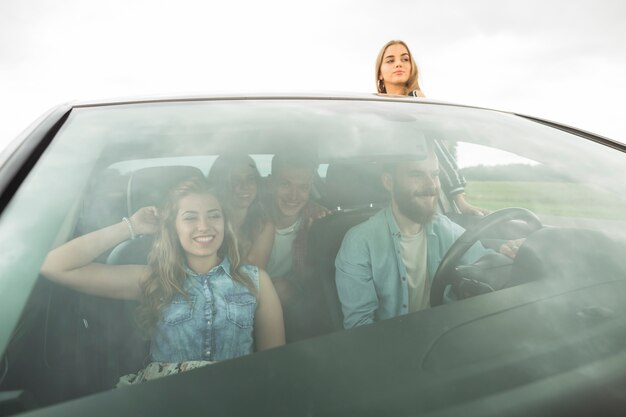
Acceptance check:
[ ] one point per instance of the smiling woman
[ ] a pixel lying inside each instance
(194, 265)
(236, 179)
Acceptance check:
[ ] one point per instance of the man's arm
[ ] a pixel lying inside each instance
(355, 282)
(473, 254)
(477, 251)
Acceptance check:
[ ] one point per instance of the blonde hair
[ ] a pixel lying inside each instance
(167, 257)
(412, 83)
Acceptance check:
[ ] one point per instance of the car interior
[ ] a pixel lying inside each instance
(83, 343)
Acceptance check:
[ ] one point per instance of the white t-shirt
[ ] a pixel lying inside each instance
(413, 249)
(281, 258)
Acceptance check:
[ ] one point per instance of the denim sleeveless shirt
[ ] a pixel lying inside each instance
(215, 323)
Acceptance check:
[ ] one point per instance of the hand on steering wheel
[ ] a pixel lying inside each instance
(446, 273)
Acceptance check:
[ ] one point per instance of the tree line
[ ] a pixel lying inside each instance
(513, 172)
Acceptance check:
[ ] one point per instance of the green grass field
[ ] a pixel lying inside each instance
(552, 198)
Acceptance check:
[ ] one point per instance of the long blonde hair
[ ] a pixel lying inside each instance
(167, 258)
(412, 83)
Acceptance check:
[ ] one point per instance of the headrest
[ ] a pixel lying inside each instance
(149, 186)
(354, 185)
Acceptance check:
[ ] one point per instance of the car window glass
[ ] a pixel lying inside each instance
(80, 344)
(498, 179)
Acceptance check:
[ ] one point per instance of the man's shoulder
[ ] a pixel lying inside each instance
(374, 224)
(364, 237)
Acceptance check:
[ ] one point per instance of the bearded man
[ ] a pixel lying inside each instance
(385, 265)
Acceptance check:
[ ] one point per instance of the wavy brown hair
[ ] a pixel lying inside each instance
(412, 83)
(167, 258)
(220, 179)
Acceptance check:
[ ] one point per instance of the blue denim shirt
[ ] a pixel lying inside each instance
(215, 323)
(370, 274)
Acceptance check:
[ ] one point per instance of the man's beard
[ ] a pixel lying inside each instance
(414, 210)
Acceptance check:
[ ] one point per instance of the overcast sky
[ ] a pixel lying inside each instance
(563, 60)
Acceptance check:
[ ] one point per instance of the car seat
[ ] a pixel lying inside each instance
(355, 192)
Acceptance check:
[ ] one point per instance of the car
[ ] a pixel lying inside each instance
(541, 334)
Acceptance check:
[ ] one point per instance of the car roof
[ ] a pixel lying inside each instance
(257, 96)
(349, 96)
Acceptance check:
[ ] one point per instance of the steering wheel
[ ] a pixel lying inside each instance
(446, 273)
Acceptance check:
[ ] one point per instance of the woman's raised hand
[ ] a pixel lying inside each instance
(145, 220)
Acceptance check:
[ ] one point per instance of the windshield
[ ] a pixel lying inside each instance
(281, 189)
